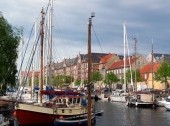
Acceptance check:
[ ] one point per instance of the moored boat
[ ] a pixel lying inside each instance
(118, 96)
(141, 99)
(166, 103)
(66, 104)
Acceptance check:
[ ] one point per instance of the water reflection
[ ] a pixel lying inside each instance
(118, 114)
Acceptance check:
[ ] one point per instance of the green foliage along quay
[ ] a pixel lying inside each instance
(163, 73)
(9, 42)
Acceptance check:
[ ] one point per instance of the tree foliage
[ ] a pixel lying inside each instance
(110, 78)
(9, 41)
(85, 82)
(96, 76)
(59, 80)
(163, 73)
(77, 82)
(137, 74)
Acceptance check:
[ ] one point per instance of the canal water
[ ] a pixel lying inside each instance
(118, 114)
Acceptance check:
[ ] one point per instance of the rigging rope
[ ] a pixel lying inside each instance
(97, 38)
(29, 63)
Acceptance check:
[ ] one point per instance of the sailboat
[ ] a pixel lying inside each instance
(143, 98)
(67, 105)
(121, 95)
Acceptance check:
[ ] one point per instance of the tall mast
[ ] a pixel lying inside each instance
(129, 58)
(33, 67)
(41, 44)
(21, 57)
(50, 40)
(135, 85)
(32, 82)
(89, 69)
(124, 58)
(152, 65)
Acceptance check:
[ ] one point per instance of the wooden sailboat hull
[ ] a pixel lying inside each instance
(29, 114)
(25, 118)
(79, 121)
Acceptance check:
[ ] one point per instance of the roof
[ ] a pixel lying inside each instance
(94, 56)
(105, 58)
(148, 68)
(66, 63)
(120, 63)
(161, 55)
(84, 57)
(70, 62)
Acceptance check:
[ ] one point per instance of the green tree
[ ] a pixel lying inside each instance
(110, 78)
(85, 82)
(9, 41)
(69, 79)
(57, 80)
(36, 81)
(128, 76)
(96, 76)
(163, 73)
(77, 82)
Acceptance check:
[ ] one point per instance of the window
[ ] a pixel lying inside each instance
(70, 111)
(138, 62)
(59, 100)
(70, 100)
(78, 100)
(120, 71)
(74, 100)
(145, 76)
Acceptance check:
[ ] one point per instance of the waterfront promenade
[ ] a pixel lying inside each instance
(118, 114)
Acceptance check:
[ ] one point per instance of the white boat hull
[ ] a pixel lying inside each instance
(167, 105)
(118, 98)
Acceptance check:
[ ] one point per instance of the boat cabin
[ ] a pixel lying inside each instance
(67, 101)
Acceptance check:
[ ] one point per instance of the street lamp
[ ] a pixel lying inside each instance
(89, 68)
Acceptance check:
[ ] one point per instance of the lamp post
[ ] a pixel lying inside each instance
(89, 68)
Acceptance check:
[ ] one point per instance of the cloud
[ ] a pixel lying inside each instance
(144, 19)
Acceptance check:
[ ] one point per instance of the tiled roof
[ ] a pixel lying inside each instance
(70, 62)
(105, 59)
(59, 65)
(95, 57)
(120, 63)
(148, 68)
(73, 61)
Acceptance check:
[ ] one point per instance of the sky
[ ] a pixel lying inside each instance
(146, 20)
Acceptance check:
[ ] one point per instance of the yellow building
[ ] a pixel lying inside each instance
(147, 73)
